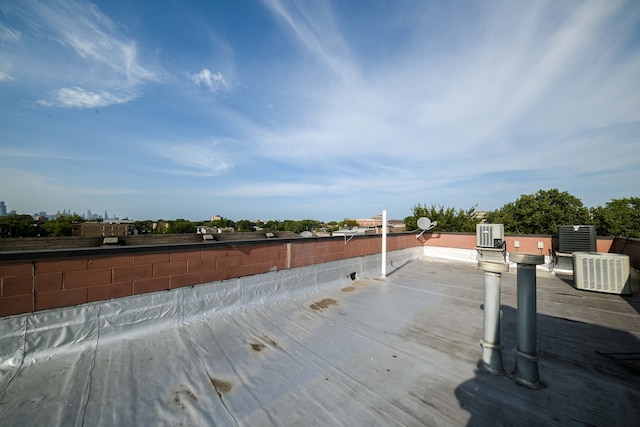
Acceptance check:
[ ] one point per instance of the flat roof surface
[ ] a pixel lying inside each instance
(378, 352)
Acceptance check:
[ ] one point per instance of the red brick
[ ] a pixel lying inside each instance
(68, 265)
(214, 253)
(17, 285)
(239, 271)
(251, 259)
(134, 272)
(183, 280)
(191, 255)
(86, 278)
(16, 305)
(169, 268)
(110, 262)
(63, 298)
(151, 285)
(199, 265)
(48, 282)
(228, 261)
(260, 268)
(22, 269)
(303, 261)
(151, 258)
(115, 290)
(215, 275)
(271, 257)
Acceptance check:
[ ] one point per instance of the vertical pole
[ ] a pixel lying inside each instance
(526, 369)
(384, 244)
(491, 348)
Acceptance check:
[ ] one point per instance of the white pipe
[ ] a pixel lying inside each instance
(384, 244)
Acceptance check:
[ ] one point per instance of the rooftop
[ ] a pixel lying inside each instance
(403, 350)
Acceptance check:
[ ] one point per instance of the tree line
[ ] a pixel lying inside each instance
(26, 226)
(539, 213)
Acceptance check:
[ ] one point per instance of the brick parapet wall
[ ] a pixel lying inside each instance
(37, 280)
(63, 278)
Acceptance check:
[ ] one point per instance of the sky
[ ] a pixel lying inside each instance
(277, 109)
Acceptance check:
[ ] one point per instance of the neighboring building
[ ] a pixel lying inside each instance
(103, 229)
(5, 230)
(376, 221)
(3, 209)
(205, 229)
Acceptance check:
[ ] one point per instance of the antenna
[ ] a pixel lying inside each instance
(425, 224)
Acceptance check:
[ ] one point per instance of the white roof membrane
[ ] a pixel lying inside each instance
(286, 348)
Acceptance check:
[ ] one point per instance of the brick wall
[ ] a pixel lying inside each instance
(70, 277)
(40, 284)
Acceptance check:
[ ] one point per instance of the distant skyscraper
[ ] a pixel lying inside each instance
(3, 209)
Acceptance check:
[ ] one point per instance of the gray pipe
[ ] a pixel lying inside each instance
(491, 348)
(526, 369)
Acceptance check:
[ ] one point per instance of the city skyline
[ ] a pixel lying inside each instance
(323, 109)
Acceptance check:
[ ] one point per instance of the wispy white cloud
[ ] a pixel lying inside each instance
(93, 36)
(526, 68)
(215, 82)
(107, 68)
(21, 152)
(9, 36)
(76, 97)
(314, 27)
(195, 158)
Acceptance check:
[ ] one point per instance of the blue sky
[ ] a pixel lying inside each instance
(280, 109)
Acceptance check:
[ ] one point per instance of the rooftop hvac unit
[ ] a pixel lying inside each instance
(601, 272)
(576, 238)
(489, 235)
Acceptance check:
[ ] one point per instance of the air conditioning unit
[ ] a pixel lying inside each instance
(489, 235)
(576, 238)
(601, 272)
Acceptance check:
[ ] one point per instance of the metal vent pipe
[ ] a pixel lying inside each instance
(526, 369)
(491, 348)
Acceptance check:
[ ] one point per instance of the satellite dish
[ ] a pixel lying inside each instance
(424, 223)
(306, 234)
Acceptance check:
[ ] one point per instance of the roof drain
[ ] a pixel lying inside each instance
(352, 276)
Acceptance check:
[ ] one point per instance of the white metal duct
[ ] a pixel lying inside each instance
(601, 272)
(489, 235)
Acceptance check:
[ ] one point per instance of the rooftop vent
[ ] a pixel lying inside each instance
(113, 240)
(602, 272)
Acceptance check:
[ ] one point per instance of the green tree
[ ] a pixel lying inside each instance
(449, 218)
(332, 226)
(22, 225)
(348, 223)
(298, 226)
(144, 227)
(181, 226)
(272, 225)
(223, 223)
(618, 218)
(540, 213)
(61, 226)
(244, 225)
